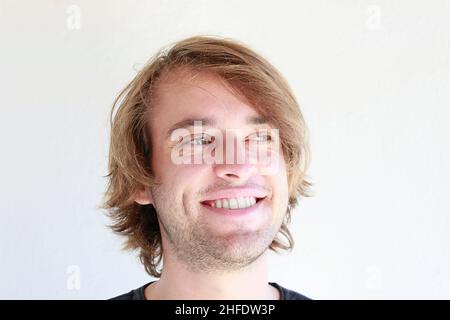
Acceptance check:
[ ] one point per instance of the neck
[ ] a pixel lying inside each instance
(179, 282)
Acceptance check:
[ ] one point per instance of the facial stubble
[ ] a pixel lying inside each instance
(198, 245)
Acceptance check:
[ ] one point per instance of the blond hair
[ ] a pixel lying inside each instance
(250, 76)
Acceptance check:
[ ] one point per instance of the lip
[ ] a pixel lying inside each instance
(236, 212)
(236, 193)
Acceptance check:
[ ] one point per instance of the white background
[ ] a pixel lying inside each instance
(373, 81)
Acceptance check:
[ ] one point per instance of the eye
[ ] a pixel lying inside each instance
(202, 139)
(261, 137)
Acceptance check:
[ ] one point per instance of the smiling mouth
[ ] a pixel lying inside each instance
(233, 203)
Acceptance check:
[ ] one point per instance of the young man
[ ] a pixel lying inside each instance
(208, 157)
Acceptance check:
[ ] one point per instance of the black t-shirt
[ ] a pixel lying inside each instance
(285, 294)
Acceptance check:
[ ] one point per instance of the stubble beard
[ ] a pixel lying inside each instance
(200, 248)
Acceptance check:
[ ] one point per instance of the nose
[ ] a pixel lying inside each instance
(235, 173)
(239, 169)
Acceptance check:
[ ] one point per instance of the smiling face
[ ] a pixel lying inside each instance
(213, 216)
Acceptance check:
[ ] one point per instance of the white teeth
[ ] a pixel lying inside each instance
(225, 204)
(234, 203)
(241, 202)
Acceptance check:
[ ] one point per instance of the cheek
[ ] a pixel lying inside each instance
(166, 171)
(281, 182)
(181, 181)
(184, 174)
(282, 190)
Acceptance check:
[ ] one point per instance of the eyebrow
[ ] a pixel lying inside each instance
(189, 122)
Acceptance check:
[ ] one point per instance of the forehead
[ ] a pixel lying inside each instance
(198, 95)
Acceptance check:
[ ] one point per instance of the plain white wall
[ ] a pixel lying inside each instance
(373, 80)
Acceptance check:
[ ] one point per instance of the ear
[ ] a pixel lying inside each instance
(143, 196)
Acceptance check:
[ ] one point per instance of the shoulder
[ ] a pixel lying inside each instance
(136, 294)
(286, 294)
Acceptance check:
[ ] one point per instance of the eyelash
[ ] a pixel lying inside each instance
(265, 134)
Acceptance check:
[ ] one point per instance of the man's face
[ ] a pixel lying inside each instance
(207, 211)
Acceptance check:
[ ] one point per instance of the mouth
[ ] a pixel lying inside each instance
(233, 203)
(234, 207)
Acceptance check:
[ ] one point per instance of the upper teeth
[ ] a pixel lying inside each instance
(234, 203)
